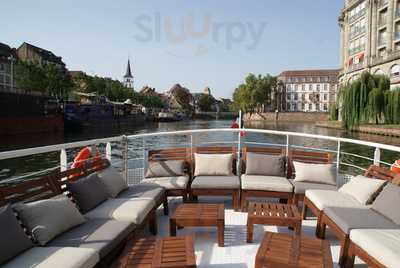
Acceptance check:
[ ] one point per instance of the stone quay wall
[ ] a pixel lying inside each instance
(287, 117)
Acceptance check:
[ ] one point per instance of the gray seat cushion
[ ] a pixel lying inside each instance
(266, 183)
(13, 240)
(358, 218)
(113, 181)
(170, 183)
(148, 191)
(386, 200)
(132, 210)
(265, 165)
(300, 187)
(169, 168)
(101, 235)
(50, 257)
(216, 182)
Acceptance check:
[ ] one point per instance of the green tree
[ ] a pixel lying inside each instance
(206, 102)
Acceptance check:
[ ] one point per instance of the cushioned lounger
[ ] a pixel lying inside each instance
(216, 182)
(50, 257)
(101, 235)
(149, 191)
(383, 244)
(266, 183)
(327, 198)
(357, 218)
(169, 183)
(130, 210)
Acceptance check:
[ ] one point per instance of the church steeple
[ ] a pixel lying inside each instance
(128, 77)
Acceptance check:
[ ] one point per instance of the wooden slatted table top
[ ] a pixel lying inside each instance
(274, 210)
(278, 250)
(176, 252)
(199, 212)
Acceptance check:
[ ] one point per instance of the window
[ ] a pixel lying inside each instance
(303, 87)
(2, 67)
(318, 87)
(379, 72)
(325, 97)
(395, 70)
(295, 96)
(310, 106)
(288, 96)
(8, 80)
(1, 79)
(288, 87)
(295, 87)
(325, 107)
(310, 87)
(294, 106)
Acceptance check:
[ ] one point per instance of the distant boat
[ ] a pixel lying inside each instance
(168, 117)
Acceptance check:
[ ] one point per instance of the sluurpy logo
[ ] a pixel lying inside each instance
(199, 33)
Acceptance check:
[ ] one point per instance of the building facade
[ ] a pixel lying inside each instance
(31, 53)
(370, 39)
(7, 58)
(308, 90)
(128, 77)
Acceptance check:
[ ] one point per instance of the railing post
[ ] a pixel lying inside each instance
(377, 157)
(287, 145)
(125, 156)
(63, 160)
(108, 151)
(238, 162)
(338, 159)
(145, 157)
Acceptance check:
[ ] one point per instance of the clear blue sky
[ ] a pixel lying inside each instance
(227, 40)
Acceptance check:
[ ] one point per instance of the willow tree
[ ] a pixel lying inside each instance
(392, 106)
(363, 101)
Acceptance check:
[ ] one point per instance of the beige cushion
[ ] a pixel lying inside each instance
(50, 257)
(266, 183)
(383, 245)
(300, 187)
(266, 165)
(316, 173)
(46, 219)
(130, 210)
(169, 168)
(326, 198)
(362, 188)
(216, 182)
(113, 181)
(213, 164)
(170, 183)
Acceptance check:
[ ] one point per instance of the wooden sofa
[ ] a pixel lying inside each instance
(181, 187)
(88, 234)
(371, 217)
(248, 193)
(209, 191)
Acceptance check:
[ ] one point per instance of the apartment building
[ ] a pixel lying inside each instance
(7, 56)
(370, 39)
(308, 90)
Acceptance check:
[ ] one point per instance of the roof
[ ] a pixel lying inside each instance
(45, 54)
(128, 73)
(5, 50)
(298, 73)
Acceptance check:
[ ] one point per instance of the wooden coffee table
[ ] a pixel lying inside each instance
(177, 252)
(272, 214)
(280, 250)
(203, 215)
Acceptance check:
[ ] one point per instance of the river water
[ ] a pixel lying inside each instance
(22, 166)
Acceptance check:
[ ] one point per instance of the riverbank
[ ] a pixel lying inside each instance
(384, 130)
(286, 117)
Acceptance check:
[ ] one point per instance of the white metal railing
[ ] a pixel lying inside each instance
(130, 146)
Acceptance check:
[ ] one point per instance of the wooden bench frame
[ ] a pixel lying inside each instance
(235, 193)
(54, 184)
(308, 157)
(260, 193)
(354, 251)
(174, 154)
(324, 220)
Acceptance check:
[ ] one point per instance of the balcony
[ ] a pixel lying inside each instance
(386, 58)
(356, 50)
(355, 67)
(383, 3)
(357, 32)
(358, 15)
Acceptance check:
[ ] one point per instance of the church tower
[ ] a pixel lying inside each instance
(128, 77)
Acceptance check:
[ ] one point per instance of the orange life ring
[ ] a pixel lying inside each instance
(85, 155)
(396, 166)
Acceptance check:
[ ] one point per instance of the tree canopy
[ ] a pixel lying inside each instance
(254, 93)
(206, 102)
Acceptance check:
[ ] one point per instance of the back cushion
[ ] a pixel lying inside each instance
(45, 219)
(113, 181)
(387, 202)
(363, 189)
(169, 168)
(267, 165)
(88, 192)
(13, 240)
(213, 164)
(315, 173)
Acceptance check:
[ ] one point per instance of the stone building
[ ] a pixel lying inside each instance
(370, 39)
(7, 58)
(307, 90)
(31, 53)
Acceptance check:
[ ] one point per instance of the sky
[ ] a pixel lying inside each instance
(197, 44)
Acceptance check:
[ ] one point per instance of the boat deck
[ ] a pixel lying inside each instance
(236, 253)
